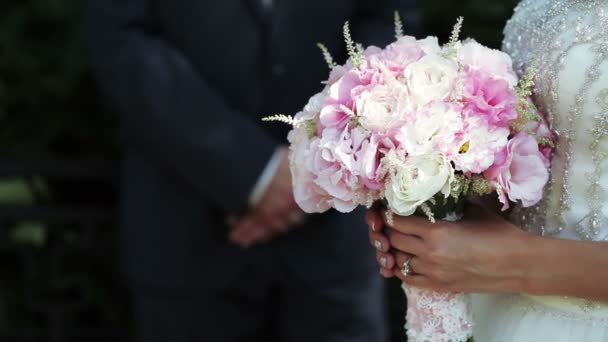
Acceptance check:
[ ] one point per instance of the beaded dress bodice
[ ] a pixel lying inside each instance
(567, 40)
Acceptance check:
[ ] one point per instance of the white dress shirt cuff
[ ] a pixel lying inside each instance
(261, 186)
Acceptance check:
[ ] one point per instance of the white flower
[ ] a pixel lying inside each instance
(416, 181)
(431, 78)
(476, 150)
(382, 107)
(313, 107)
(430, 45)
(434, 128)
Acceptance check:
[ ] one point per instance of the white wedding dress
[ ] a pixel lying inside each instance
(568, 40)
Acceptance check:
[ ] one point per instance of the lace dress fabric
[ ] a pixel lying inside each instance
(567, 40)
(437, 316)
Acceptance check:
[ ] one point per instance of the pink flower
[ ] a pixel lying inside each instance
(340, 94)
(497, 63)
(490, 98)
(341, 91)
(336, 73)
(310, 197)
(333, 116)
(344, 162)
(477, 145)
(340, 70)
(400, 54)
(368, 160)
(519, 171)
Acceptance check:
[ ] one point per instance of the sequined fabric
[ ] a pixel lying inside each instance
(568, 42)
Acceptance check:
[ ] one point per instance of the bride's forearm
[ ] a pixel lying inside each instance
(566, 268)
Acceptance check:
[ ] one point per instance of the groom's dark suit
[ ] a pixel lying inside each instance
(191, 79)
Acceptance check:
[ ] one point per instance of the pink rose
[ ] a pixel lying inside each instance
(490, 98)
(400, 54)
(519, 171)
(495, 62)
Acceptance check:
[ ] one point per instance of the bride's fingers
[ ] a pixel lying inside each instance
(403, 261)
(405, 243)
(385, 260)
(379, 241)
(386, 273)
(411, 225)
(374, 220)
(416, 265)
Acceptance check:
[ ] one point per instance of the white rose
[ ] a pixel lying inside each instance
(431, 78)
(314, 105)
(416, 181)
(434, 128)
(382, 107)
(430, 45)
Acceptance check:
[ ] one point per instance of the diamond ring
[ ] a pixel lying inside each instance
(407, 269)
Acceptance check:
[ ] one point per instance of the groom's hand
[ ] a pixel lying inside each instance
(274, 214)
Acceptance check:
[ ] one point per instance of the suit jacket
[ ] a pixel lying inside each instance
(191, 79)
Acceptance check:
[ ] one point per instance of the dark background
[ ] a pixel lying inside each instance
(59, 181)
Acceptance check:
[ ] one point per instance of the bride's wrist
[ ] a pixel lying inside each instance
(524, 257)
(538, 257)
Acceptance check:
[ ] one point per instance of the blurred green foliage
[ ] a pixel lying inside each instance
(49, 107)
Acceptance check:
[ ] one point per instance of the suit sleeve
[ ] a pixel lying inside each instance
(172, 114)
(375, 25)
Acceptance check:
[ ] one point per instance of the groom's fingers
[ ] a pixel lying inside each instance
(253, 236)
(246, 232)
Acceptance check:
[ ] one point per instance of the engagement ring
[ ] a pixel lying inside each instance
(406, 268)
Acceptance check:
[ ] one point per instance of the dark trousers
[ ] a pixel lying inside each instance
(266, 302)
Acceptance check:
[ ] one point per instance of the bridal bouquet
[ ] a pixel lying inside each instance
(417, 126)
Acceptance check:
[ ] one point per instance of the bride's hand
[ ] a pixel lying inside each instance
(482, 253)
